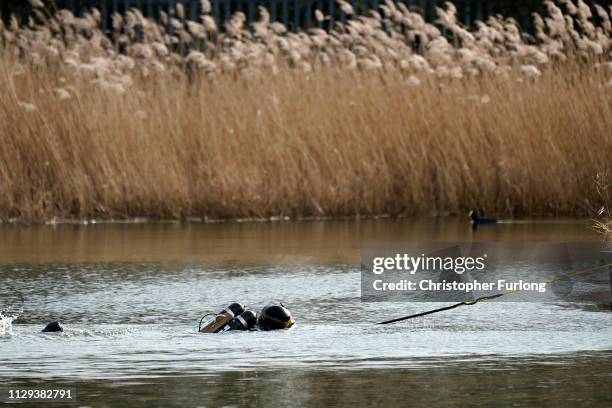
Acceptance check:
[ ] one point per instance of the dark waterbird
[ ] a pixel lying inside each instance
(478, 219)
(53, 327)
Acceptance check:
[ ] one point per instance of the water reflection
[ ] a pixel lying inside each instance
(545, 382)
(257, 242)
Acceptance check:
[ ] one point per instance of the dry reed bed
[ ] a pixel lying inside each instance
(269, 123)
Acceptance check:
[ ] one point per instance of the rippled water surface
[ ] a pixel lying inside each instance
(130, 297)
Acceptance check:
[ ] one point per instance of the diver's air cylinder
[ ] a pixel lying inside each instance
(234, 309)
(244, 321)
(216, 324)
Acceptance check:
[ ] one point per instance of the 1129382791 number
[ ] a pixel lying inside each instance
(33, 394)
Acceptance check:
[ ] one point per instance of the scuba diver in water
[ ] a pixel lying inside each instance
(234, 317)
(237, 317)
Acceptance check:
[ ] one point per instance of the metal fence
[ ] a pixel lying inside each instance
(294, 14)
(300, 14)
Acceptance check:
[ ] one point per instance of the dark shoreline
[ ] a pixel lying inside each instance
(533, 218)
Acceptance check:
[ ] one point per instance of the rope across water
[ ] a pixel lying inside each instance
(490, 297)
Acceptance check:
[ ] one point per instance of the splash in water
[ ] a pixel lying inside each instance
(6, 324)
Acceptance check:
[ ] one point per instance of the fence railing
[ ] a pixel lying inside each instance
(300, 14)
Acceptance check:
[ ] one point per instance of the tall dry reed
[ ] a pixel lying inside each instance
(382, 115)
(603, 223)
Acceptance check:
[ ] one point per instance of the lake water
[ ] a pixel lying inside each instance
(130, 297)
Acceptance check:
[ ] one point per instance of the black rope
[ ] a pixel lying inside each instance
(466, 303)
(473, 302)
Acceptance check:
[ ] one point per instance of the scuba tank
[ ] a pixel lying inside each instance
(234, 309)
(221, 319)
(244, 321)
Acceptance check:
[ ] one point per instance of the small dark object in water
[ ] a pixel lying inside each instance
(53, 327)
(477, 219)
